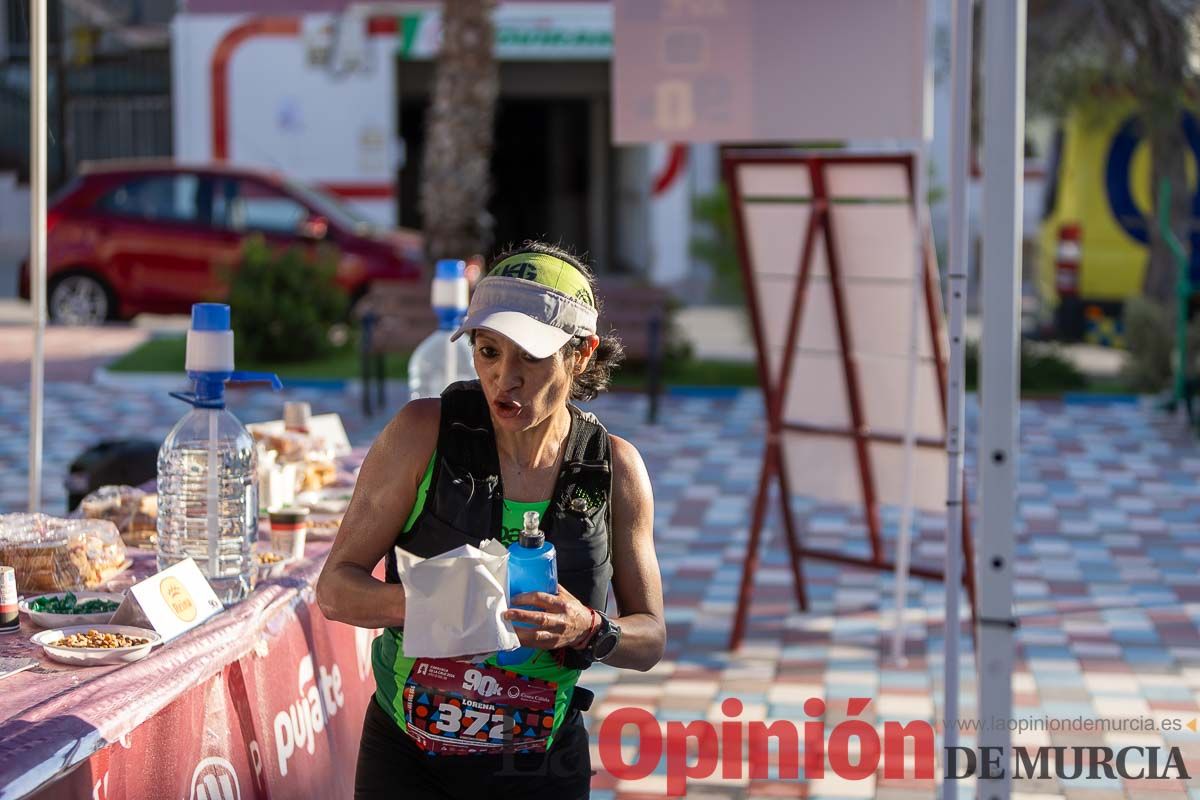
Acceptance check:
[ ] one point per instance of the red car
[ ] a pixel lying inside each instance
(125, 238)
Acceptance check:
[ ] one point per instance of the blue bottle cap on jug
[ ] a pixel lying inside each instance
(450, 269)
(210, 317)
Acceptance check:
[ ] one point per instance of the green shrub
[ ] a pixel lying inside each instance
(1044, 369)
(284, 302)
(1150, 340)
(715, 245)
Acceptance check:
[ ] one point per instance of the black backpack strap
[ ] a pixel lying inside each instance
(586, 466)
(465, 433)
(467, 453)
(464, 497)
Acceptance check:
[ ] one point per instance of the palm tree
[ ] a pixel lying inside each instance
(455, 179)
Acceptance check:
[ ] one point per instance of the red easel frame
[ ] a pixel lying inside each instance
(773, 469)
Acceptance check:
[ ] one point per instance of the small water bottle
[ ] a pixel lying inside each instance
(532, 567)
(438, 362)
(208, 468)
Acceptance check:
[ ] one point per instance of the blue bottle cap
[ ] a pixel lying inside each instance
(450, 269)
(210, 317)
(449, 319)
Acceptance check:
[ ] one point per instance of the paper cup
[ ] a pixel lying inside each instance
(296, 416)
(289, 529)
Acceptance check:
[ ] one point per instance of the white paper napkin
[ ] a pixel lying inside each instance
(454, 602)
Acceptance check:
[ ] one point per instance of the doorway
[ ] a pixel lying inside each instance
(551, 174)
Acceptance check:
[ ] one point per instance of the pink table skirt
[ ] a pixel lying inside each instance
(265, 699)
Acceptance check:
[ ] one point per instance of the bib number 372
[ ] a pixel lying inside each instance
(470, 721)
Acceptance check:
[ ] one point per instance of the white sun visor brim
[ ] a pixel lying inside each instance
(536, 338)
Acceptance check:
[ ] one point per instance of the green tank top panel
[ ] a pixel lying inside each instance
(392, 669)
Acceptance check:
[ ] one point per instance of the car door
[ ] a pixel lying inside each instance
(158, 236)
(252, 207)
(260, 208)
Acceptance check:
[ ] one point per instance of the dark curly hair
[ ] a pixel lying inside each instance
(608, 355)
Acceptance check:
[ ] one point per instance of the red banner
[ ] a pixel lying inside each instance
(283, 721)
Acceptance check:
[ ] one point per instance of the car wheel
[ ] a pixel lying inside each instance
(79, 300)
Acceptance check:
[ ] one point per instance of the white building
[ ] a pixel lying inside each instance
(337, 95)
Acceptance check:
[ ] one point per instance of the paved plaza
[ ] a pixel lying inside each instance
(1108, 588)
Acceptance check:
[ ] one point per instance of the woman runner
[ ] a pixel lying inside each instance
(466, 467)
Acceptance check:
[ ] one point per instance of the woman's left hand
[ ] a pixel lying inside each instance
(560, 621)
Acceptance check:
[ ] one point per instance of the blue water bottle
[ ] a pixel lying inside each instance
(531, 568)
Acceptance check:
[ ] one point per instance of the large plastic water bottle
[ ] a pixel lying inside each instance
(532, 567)
(207, 467)
(438, 362)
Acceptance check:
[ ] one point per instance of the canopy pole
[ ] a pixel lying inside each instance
(958, 270)
(1003, 165)
(919, 182)
(37, 241)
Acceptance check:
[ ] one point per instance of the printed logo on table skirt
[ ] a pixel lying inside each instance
(215, 779)
(457, 708)
(320, 697)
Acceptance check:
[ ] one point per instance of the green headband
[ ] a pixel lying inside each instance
(549, 271)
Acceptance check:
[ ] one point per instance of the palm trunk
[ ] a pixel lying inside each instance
(1162, 68)
(456, 177)
(1167, 162)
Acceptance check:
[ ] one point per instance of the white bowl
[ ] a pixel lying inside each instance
(45, 619)
(273, 569)
(95, 656)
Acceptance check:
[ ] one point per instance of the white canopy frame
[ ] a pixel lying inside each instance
(37, 242)
(1003, 170)
(957, 274)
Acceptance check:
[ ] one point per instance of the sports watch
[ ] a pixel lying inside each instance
(604, 641)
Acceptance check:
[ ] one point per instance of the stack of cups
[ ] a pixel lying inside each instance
(296, 416)
(9, 620)
(289, 529)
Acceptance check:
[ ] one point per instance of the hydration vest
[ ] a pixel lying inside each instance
(466, 496)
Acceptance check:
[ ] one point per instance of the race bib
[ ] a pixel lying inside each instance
(460, 708)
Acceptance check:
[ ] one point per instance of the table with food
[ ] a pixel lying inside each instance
(262, 696)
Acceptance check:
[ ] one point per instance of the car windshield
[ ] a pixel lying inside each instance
(338, 212)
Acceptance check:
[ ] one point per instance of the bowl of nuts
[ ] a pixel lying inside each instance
(271, 564)
(93, 645)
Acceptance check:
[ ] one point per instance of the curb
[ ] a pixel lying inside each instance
(710, 392)
(169, 382)
(172, 382)
(150, 381)
(1087, 399)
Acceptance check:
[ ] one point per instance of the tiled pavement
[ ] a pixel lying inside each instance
(1108, 587)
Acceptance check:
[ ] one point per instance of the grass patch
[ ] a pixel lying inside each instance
(691, 372)
(1044, 373)
(166, 354)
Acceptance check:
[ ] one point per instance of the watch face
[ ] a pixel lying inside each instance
(605, 644)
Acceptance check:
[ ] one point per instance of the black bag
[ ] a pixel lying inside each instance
(129, 462)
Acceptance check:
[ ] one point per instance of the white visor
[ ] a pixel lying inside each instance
(539, 320)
